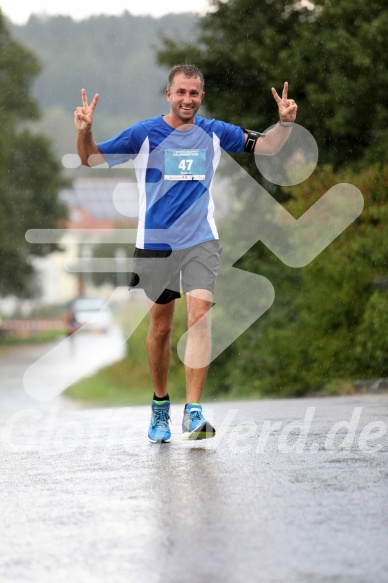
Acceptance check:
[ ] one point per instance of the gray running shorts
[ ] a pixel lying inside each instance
(163, 274)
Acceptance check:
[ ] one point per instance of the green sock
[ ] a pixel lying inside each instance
(191, 404)
(166, 398)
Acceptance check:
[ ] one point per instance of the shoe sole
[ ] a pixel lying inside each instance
(204, 431)
(163, 440)
(159, 440)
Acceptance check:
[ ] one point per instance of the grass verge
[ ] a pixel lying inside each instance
(121, 384)
(128, 381)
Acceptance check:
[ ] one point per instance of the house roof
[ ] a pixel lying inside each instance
(99, 202)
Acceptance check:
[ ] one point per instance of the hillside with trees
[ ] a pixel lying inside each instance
(114, 56)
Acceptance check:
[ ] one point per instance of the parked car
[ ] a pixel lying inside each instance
(92, 314)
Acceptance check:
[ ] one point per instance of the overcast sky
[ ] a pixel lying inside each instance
(19, 11)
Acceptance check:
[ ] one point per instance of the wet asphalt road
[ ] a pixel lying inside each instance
(86, 498)
(36, 376)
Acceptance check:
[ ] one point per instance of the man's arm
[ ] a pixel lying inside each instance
(87, 149)
(272, 142)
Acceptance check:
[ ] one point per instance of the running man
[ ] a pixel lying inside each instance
(177, 247)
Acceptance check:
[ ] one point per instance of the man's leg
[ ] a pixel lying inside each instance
(197, 359)
(198, 347)
(159, 345)
(159, 351)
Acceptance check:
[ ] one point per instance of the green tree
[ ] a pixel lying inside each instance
(372, 337)
(331, 53)
(30, 175)
(341, 78)
(328, 322)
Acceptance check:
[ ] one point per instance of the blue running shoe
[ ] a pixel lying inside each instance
(159, 431)
(194, 424)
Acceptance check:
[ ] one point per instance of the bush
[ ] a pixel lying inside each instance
(372, 337)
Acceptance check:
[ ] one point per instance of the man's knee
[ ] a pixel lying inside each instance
(198, 306)
(199, 315)
(160, 330)
(161, 322)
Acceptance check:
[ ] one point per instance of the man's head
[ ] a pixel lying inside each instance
(184, 93)
(188, 71)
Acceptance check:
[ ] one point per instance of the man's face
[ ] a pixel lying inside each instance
(185, 97)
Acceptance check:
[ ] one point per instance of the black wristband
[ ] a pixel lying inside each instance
(252, 138)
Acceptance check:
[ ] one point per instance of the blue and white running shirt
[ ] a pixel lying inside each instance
(174, 170)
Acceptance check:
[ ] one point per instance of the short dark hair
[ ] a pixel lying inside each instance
(187, 70)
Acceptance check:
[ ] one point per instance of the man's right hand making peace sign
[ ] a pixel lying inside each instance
(83, 116)
(87, 149)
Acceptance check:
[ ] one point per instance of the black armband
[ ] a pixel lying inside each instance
(251, 140)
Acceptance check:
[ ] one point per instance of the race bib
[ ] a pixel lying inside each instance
(185, 164)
